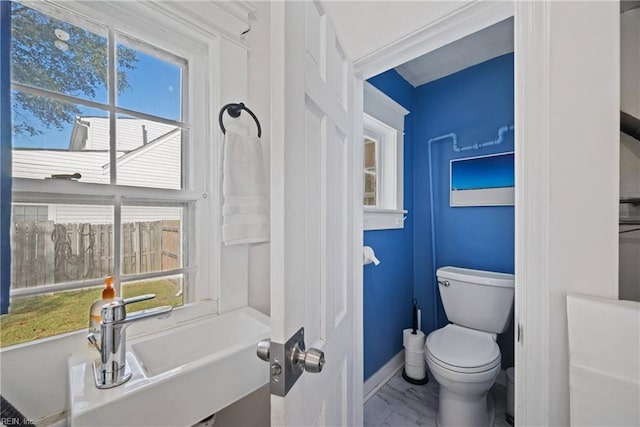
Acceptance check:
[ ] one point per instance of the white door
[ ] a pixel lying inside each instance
(313, 242)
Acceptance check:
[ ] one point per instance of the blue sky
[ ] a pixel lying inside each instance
(154, 89)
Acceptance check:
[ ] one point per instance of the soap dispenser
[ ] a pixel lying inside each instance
(95, 313)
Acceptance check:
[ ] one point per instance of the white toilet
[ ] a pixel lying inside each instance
(464, 357)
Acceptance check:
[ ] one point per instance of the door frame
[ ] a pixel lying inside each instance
(532, 164)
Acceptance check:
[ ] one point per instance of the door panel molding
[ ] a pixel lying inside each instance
(312, 214)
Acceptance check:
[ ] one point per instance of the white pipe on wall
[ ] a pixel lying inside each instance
(501, 132)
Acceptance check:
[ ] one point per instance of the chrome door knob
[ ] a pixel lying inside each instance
(263, 349)
(313, 360)
(288, 361)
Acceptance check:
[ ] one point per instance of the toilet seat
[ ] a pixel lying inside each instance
(463, 350)
(459, 370)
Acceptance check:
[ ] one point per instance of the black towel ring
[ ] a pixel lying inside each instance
(234, 111)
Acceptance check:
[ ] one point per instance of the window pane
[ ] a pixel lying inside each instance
(151, 239)
(369, 154)
(41, 316)
(149, 153)
(168, 291)
(71, 243)
(24, 213)
(154, 85)
(51, 54)
(370, 189)
(370, 173)
(77, 144)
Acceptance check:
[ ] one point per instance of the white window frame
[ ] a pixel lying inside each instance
(157, 27)
(383, 121)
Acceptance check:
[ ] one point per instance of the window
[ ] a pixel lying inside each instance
(108, 170)
(370, 171)
(383, 161)
(30, 213)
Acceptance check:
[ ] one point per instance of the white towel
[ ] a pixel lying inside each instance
(245, 213)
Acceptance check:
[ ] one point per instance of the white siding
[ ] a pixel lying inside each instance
(97, 133)
(76, 214)
(150, 213)
(40, 164)
(101, 214)
(157, 166)
(128, 132)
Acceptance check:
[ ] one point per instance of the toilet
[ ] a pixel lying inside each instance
(463, 356)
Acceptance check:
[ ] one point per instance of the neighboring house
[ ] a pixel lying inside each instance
(145, 156)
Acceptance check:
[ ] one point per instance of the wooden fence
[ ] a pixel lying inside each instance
(47, 253)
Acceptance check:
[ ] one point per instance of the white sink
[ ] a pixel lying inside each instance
(179, 376)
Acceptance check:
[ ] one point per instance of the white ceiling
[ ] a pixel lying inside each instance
(478, 47)
(364, 27)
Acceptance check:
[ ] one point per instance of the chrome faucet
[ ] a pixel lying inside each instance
(110, 370)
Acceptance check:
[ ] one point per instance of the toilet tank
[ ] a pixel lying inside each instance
(477, 299)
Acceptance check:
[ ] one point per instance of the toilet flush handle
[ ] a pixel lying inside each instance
(443, 282)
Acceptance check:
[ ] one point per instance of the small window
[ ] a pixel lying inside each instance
(370, 172)
(383, 131)
(380, 165)
(101, 107)
(28, 213)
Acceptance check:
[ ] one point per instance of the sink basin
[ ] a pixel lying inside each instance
(179, 376)
(179, 347)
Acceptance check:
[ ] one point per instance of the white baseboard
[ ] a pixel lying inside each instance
(384, 374)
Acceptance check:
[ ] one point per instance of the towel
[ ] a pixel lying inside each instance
(245, 212)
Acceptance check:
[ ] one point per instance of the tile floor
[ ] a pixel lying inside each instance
(399, 404)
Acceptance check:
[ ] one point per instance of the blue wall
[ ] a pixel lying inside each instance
(388, 287)
(472, 103)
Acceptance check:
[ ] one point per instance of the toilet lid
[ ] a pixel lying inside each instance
(463, 347)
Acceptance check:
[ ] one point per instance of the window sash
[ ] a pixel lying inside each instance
(113, 35)
(378, 140)
(206, 80)
(68, 192)
(387, 144)
(51, 191)
(93, 104)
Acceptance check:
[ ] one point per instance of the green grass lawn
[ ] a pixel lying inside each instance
(42, 316)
